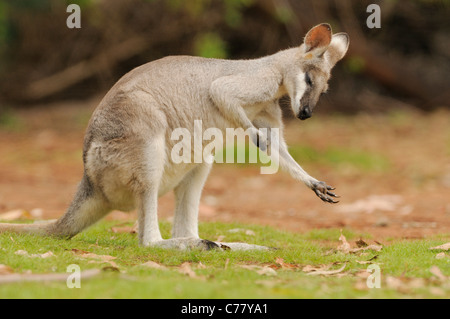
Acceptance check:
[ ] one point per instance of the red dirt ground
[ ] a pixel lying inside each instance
(40, 166)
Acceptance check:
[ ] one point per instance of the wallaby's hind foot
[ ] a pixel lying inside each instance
(242, 246)
(186, 243)
(191, 243)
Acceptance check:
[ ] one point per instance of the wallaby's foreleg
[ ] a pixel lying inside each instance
(279, 152)
(321, 189)
(231, 94)
(187, 196)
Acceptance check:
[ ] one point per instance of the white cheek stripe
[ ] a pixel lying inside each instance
(299, 90)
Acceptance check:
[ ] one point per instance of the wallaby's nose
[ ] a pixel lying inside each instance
(305, 113)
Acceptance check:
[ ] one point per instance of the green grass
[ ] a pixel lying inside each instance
(219, 274)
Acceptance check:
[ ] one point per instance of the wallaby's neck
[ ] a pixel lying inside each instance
(283, 60)
(280, 63)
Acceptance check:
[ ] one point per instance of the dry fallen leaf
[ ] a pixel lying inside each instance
(78, 251)
(261, 270)
(438, 273)
(442, 255)
(344, 246)
(314, 271)
(404, 284)
(361, 243)
(266, 271)
(152, 264)
(437, 291)
(21, 253)
(370, 247)
(394, 283)
(5, 270)
(95, 258)
(283, 265)
(364, 262)
(309, 268)
(185, 269)
(369, 261)
(329, 252)
(25, 253)
(442, 247)
(46, 255)
(201, 266)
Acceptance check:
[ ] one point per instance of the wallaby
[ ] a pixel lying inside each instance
(126, 152)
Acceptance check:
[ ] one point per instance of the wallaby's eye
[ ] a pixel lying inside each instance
(308, 79)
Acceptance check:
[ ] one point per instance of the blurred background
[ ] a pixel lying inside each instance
(406, 62)
(381, 135)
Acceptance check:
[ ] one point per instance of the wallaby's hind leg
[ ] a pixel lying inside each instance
(187, 196)
(149, 233)
(148, 218)
(86, 208)
(185, 224)
(147, 196)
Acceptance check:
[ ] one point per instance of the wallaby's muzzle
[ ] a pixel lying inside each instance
(305, 113)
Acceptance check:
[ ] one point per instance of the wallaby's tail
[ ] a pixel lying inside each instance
(86, 208)
(38, 229)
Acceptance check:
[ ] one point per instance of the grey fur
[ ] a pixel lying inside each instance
(127, 145)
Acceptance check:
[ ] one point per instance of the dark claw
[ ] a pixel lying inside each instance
(333, 194)
(262, 147)
(259, 142)
(209, 245)
(323, 192)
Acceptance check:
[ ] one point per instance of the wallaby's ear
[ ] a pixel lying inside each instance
(318, 39)
(337, 48)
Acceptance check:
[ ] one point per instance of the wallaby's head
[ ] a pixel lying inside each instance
(306, 79)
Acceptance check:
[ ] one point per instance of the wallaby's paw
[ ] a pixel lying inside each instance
(259, 138)
(322, 191)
